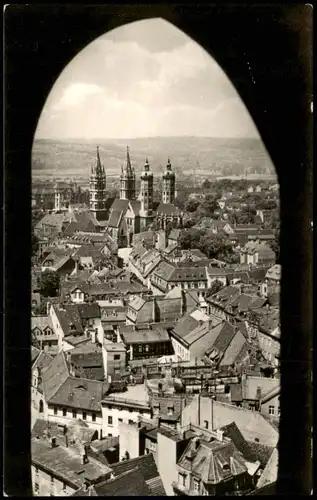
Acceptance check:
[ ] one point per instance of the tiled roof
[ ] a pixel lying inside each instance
(42, 361)
(34, 353)
(147, 467)
(115, 218)
(164, 271)
(207, 459)
(274, 272)
(226, 295)
(65, 462)
(80, 394)
(68, 316)
(130, 483)
(132, 335)
(232, 431)
(40, 324)
(136, 303)
(234, 349)
(89, 311)
(135, 206)
(261, 451)
(166, 209)
(145, 463)
(174, 234)
(54, 375)
(120, 205)
(189, 274)
(185, 325)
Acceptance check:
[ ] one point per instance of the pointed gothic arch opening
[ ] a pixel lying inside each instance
(289, 280)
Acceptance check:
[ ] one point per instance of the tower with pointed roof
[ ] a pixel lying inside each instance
(97, 190)
(168, 194)
(146, 196)
(127, 180)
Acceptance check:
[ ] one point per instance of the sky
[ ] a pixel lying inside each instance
(144, 79)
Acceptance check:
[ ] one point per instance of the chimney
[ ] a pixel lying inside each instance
(154, 310)
(219, 435)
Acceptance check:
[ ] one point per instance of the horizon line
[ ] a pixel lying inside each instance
(142, 138)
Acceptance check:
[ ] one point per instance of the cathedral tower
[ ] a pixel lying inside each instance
(168, 184)
(146, 196)
(97, 190)
(146, 192)
(127, 180)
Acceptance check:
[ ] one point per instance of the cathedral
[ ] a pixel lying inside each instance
(131, 214)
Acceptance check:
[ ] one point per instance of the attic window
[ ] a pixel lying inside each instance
(226, 467)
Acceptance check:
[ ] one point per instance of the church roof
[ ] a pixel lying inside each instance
(166, 209)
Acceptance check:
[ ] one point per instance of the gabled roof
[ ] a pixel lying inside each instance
(120, 205)
(65, 462)
(54, 375)
(208, 459)
(34, 353)
(130, 483)
(135, 206)
(115, 218)
(145, 463)
(166, 209)
(132, 335)
(42, 361)
(174, 234)
(232, 432)
(41, 322)
(80, 393)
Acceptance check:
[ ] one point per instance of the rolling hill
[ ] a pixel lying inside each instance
(205, 155)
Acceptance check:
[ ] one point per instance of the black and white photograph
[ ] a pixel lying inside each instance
(156, 330)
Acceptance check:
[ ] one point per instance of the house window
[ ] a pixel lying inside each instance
(271, 410)
(206, 424)
(84, 415)
(110, 420)
(120, 420)
(130, 421)
(140, 348)
(55, 410)
(278, 411)
(116, 357)
(52, 479)
(64, 412)
(36, 470)
(36, 488)
(93, 417)
(196, 484)
(147, 348)
(74, 414)
(64, 487)
(109, 434)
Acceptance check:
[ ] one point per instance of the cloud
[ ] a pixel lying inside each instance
(75, 94)
(123, 85)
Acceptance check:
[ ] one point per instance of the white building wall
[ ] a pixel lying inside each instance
(44, 484)
(180, 350)
(60, 419)
(116, 413)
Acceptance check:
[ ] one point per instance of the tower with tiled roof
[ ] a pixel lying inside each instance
(146, 196)
(168, 195)
(127, 180)
(97, 190)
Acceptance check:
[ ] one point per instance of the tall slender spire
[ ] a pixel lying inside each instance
(98, 166)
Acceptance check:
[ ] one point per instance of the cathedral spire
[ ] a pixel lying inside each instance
(98, 166)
